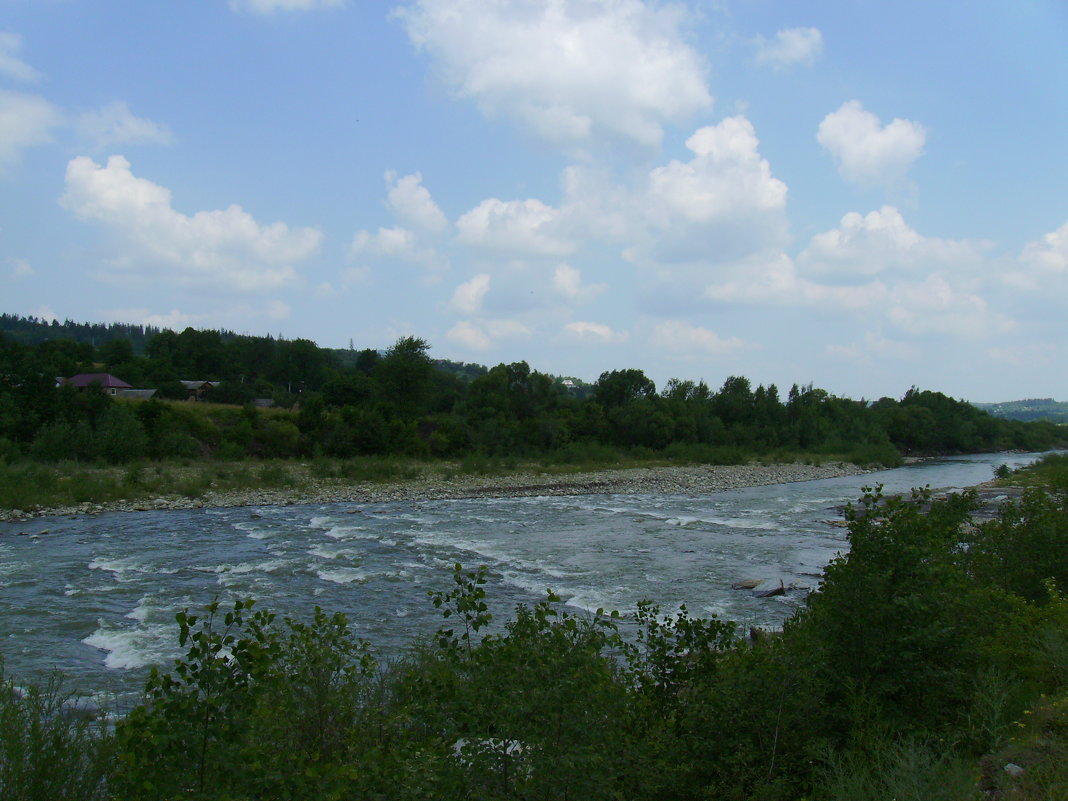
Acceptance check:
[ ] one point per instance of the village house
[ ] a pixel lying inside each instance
(111, 385)
(198, 389)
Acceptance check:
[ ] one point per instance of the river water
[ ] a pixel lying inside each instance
(96, 597)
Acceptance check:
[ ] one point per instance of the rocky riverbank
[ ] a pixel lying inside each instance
(695, 480)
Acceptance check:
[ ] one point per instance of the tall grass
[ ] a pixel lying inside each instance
(49, 748)
(29, 485)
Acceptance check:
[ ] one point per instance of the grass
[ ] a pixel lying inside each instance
(1051, 471)
(1040, 749)
(30, 485)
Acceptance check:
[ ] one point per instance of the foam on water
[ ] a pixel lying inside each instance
(133, 647)
(343, 575)
(325, 551)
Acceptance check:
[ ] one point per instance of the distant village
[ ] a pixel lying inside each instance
(112, 385)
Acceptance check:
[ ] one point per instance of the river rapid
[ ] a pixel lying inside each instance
(96, 597)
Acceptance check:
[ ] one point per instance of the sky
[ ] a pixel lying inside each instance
(862, 195)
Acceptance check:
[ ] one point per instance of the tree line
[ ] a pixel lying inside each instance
(401, 402)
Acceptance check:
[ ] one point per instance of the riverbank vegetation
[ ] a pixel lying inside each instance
(357, 408)
(932, 664)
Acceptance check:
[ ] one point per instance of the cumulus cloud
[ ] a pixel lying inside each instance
(683, 339)
(396, 243)
(483, 337)
(790, 46)
(175, 320)
(934, 306)
(1030, 355)
(1049, 254)
(226, 248)
(114, 124)
(594, 332)
(723, 201)
(11, 65)
(411, 202)
(569, 71)
(772, 279)
(21, 268)
(881, 242)
(271, 6)
(467, 298)
(873, 346)
(25, 120)
(515, 227)
(567, 281)
(44, 313)
(866, 151)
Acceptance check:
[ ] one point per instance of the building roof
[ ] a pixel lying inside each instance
(105, 380)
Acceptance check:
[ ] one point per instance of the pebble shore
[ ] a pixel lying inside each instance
(689, 480)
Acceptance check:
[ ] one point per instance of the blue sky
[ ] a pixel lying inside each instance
(863, 195)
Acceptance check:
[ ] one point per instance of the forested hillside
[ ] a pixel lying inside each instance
(401, 402)
(1033, 409)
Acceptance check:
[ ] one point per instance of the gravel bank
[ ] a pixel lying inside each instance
(695, 480)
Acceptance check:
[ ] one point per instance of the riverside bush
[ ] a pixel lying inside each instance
(49, 749)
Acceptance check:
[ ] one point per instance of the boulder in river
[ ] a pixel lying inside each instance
(780, 590)
(747, 584)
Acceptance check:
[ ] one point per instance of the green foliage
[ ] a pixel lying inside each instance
(51, 746)
(351, 403)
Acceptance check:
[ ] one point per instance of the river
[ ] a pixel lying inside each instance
(96, 597)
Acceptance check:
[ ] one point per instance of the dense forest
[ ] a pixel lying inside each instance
(402, 402)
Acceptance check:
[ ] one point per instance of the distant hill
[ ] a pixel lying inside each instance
(1033, 409)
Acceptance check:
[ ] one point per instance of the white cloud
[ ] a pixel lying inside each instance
(44, 314)
(467, 298)
(514, 227)
(934, 306)
(470, 335)
(114, 124)
(271, 6)
(352, 276)
(1030, 355)
(396, 243)
(570, 71)
(225, 249)
(872, 347)
(277, 310)
(1048, 255)
(880, 242)
(567, 281)
(683, 339)
(722, 204)
(174, 319)
(867, 152)
(10, 63)
(726, 177)
(790, 46)
(412, 204)
(25, 121)
(772, 279)
(594, 332)
(20, 268)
